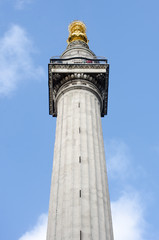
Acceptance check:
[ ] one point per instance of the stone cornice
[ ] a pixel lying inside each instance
(94, 67)
(60, 74)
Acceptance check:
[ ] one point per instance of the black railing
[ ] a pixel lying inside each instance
(82, 60)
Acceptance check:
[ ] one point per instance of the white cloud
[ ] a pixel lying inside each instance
(118, 159)
(20, 4)
(128, 210)
(128, 218)
(16, 63)
(39, 230)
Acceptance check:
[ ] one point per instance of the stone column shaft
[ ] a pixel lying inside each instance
(79, 200)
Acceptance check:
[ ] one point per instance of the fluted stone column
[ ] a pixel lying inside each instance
(79, 199)
(79, 206)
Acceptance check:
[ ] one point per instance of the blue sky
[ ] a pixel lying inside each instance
(127, 33)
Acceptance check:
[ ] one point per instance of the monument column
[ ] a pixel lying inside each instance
(79, 200)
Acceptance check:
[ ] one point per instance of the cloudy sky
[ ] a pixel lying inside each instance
(127, 33)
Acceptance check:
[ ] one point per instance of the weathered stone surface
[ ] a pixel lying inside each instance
(79, 136)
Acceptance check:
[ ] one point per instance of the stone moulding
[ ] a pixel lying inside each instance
(95, 74)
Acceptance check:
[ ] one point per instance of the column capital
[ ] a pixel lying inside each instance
(93, 71)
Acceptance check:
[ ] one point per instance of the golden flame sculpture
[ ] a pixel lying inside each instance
(77, 31)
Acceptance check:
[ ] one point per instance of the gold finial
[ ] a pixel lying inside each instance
(77, 31)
